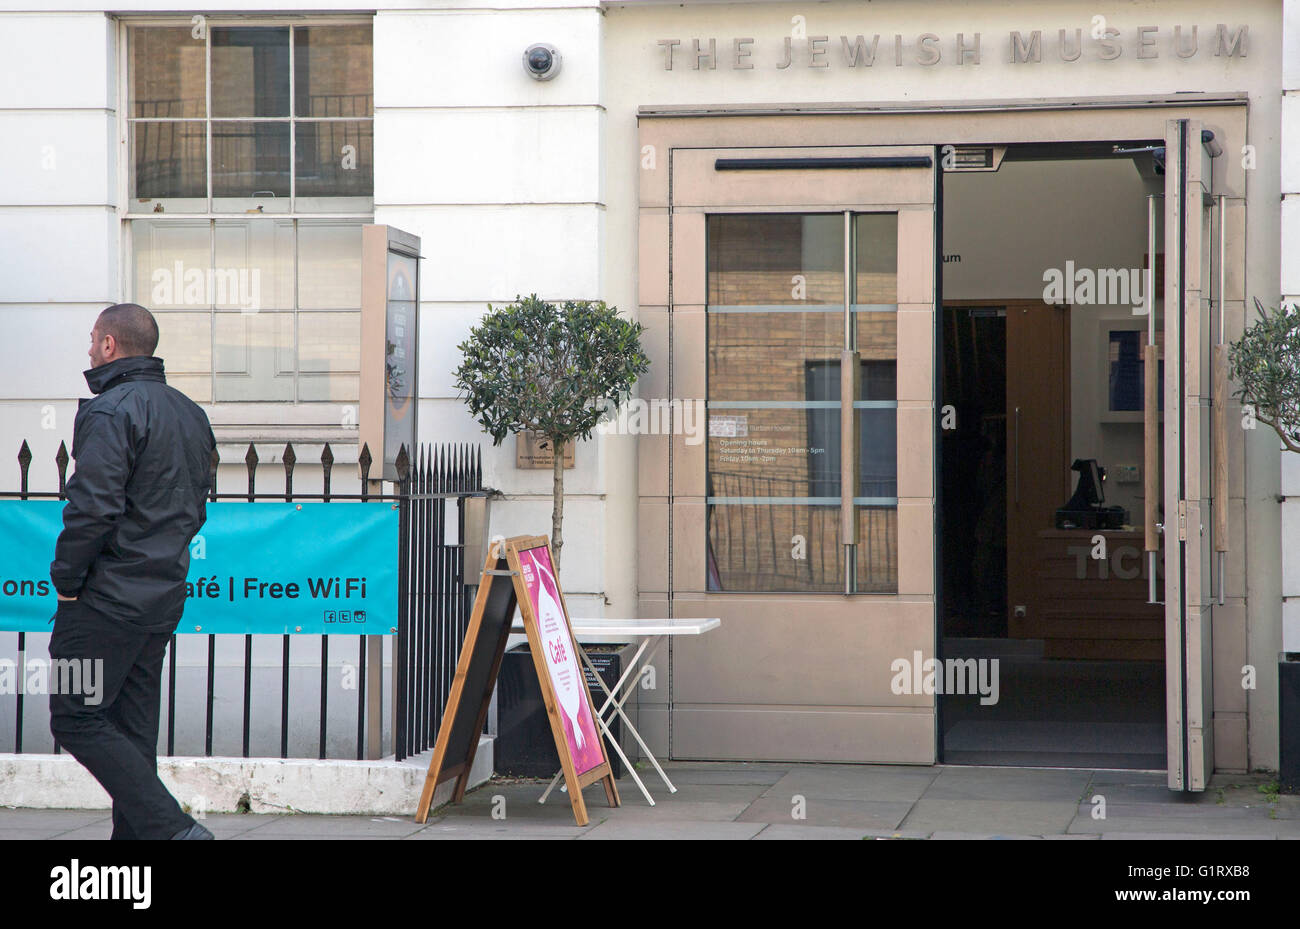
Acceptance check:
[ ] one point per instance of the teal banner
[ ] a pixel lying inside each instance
(267, 568)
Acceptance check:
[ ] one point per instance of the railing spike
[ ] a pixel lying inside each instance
(61, 461)
(402, 464)
(290, 459)
(24, 462)
(250, 462)
(364, 461)
(327, 465)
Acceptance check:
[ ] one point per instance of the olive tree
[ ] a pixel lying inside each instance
(553, 370)
(1265, 363)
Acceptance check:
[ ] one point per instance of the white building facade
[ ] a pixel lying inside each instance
(156, 140)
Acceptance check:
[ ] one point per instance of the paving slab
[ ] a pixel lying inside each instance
(224, 825)
(694, 793)
(783, 831)
(891, 783)
(1208, 812)
(1216, 827)
(23, 818)
(1182, 836)
(92, 833)
(871, 815)
(261, 835)
(36, 835)
(1017, 784)
(699, 811)
(494, 831)
(1129, 786)
(1019, 817)
(671, 831)
(311, 825)
(680, 774)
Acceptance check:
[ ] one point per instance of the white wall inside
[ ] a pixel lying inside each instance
(1092, 212)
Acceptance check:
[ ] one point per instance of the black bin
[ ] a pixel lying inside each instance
(1288, 685)
(524, 745)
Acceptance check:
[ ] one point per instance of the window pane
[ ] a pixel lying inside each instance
(771, 453)
(253, 267)
(250, 159)
(329, 356)
(185, 346)
(762, 355)
(168, 72)
(332, 70)
(330, 342)
(250, 71)
(775, 332)
(329, 265)
(171, 161)
(335, 159)
(171, 263)
(750, 547)
(775, 258)
(253, 356)
(878, 550)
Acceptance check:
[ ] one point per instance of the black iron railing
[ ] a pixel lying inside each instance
(433, 598)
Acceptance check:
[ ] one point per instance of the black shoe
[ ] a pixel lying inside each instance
(194, 832)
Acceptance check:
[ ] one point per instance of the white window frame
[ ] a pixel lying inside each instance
(259, 420)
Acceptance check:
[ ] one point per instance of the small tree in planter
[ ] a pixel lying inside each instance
(553, 370)
(1265, 363)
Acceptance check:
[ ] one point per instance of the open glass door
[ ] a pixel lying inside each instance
(1189, 516)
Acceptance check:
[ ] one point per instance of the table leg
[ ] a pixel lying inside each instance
(618, 709)
(600, 721)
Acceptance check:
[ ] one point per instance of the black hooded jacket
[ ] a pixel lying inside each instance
(136, 499)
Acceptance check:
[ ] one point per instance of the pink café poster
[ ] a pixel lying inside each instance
(567, 679)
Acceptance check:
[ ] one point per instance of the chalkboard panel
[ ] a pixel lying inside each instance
(471, 689)
(484, 664)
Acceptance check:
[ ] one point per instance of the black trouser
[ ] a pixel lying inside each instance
(116, 738)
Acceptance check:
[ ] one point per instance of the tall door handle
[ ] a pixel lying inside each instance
(1219, 371)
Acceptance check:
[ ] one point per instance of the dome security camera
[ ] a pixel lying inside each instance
(541, 61)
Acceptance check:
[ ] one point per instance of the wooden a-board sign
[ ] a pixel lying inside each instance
(519, 572)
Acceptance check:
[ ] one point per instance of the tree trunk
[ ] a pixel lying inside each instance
(557, 499)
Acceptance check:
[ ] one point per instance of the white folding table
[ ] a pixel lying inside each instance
(651, 632)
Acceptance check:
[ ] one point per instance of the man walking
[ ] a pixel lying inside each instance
(135, 501)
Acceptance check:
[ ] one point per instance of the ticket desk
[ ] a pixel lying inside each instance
(1087, 607)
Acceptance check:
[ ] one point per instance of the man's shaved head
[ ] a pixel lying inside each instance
(132, 327)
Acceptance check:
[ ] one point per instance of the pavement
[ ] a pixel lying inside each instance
(732, 800)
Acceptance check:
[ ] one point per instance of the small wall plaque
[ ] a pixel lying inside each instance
(533, 452)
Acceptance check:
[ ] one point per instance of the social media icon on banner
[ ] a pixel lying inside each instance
(345, 616)
(359, 616)
(331, 616)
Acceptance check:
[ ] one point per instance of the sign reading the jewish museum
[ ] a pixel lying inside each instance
(275, 568)
(1099, 40)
